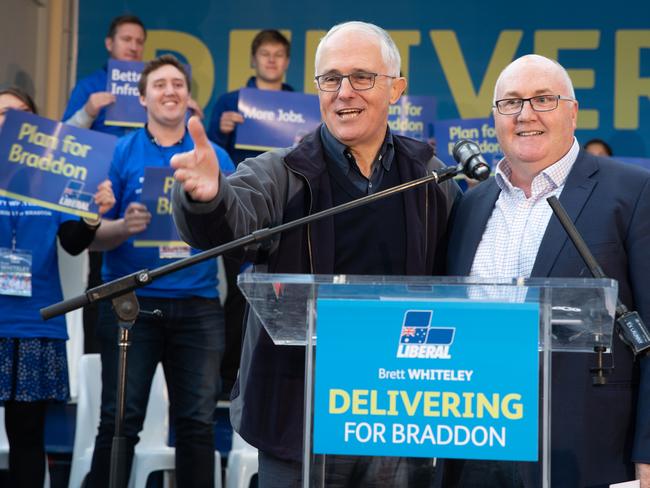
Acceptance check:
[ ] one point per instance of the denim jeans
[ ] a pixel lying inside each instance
(189, 341)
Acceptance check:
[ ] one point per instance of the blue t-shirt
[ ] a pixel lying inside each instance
(36, 231)
(93, 83)
(133, 153)
(229, 103)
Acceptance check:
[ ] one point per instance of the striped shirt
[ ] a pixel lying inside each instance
(515, 229)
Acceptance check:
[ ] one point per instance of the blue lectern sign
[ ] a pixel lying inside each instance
(427, 379)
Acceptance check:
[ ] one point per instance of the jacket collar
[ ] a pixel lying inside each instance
(579, 186)
(464, 250)
(251, 83)
(412, 157)
(308, 156)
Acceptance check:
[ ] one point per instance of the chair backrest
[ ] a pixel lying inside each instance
(156, 424)
(155, 431)
(88, 403)
(240, 444)
(4, 442)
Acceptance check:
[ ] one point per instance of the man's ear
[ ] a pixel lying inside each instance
(574, 114)
(397, 88)
(108, 42)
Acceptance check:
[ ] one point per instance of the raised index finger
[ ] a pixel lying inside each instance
(198, 135)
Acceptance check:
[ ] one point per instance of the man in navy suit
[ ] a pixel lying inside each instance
(505, 228)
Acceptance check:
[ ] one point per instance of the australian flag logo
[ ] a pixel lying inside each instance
(419, 340)
(74, 197)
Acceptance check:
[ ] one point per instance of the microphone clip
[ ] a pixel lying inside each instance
(470, 160)
(632, 331)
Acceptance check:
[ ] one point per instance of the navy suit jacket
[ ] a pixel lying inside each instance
(597, 431)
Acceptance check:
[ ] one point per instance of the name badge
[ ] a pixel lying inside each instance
(174, 252)
(15, 272)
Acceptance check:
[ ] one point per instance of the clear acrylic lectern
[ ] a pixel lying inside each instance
(437, 355)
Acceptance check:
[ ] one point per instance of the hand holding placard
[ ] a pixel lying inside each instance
(98, 101)
(228, 121)
(104, 198)
(136, 218)
(198, 169)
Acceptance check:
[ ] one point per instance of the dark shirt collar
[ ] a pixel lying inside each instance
(252, 83)
(340, 154)
(153, 139)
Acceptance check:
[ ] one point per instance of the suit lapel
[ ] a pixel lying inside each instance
(472, 227)
(576, 192)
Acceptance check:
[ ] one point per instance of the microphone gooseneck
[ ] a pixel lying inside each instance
(632, 330)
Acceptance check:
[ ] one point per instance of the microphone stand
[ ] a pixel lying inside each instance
(631, 329)
(125, 303)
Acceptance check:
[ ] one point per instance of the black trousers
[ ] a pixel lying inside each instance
(25, 425)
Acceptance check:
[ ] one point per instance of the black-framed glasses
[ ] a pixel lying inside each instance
(359, 81)
(540, 103)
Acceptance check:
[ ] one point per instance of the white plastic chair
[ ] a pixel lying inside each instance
(242, 463)
(87, 421)
(73, 271)
(4, 450)
(152, 452)
(4, 442)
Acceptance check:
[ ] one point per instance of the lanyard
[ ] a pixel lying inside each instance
(14, 217)
(164, 151)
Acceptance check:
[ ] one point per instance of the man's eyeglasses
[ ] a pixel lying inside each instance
(540, 103)
(359, 81)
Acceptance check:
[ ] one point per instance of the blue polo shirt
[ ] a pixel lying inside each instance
(36, 230)
(229, 103)
(133, 153)
(93, 83)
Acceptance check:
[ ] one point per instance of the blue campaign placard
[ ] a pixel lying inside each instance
(481, 131)
(275, 119)
(53, 164)
(156, 196)
(122, 81)
(413, 116)
(427, 379)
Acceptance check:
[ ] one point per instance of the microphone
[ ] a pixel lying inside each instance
(631, 328)
(468, 155)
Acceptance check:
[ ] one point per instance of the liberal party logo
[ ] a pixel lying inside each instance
(419, 340)
(74, 197)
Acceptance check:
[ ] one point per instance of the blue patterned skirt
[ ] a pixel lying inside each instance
(33, 370)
